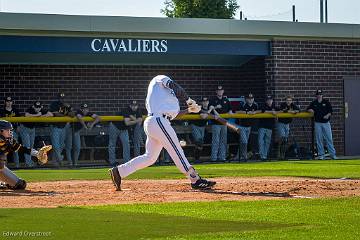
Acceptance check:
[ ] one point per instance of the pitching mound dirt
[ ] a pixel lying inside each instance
(77, 193)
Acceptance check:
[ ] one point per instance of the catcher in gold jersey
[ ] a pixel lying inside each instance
(8, 144)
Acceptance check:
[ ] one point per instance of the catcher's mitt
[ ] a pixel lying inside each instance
(42, 154)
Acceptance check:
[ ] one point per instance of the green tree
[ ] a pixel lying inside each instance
(220, 9)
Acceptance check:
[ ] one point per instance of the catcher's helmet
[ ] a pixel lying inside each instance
(5, 125)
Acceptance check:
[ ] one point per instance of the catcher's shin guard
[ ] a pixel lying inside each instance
(7, 176)
(115, 177)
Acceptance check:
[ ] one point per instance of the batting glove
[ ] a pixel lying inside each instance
(194, 108)
(190, 102)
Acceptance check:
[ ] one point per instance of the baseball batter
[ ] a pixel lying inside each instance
(7, 145)
(162, 104)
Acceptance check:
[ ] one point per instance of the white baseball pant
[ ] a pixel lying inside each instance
(160, 134)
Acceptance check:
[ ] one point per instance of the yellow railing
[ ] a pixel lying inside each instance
(184, 117)
(258, 115)
(61, 119)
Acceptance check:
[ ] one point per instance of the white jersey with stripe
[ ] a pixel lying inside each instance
(161, 99)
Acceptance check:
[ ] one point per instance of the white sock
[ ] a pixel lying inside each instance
(193, 175)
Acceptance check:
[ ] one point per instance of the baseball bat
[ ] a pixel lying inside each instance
(232, 127)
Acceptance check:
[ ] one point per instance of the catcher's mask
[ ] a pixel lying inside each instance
(5, 125)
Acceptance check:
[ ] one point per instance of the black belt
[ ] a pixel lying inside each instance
(163, 115)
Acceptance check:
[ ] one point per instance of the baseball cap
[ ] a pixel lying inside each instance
(84, 105)
(268, 97)
(204, 99)
(250, 95)
(37, 104)
(219, 88)
(8, 99)
(133, 103)
(5, 125)
(319, 92)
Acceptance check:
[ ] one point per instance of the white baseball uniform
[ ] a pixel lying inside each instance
(162, 105)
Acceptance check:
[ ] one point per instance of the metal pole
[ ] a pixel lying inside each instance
(293, 11)
(326, 12)
(241, 15)
(313, 137)
(321, 11)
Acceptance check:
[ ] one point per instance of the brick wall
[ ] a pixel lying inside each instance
(295, 67)
(300, 67)
(109, 88)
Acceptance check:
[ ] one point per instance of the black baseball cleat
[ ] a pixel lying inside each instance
(203, 184)
(116, 178)
(20, 185)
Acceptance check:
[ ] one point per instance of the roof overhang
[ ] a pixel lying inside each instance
(67, 39)
(188, 27)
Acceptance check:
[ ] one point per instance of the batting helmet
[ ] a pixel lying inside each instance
(5, 125)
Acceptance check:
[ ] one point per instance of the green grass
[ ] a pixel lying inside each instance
(313, 169)
(278, 219)
(336, 218)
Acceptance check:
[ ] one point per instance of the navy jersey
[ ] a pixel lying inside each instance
(58, 106)
(12, 113)
(268, 123)
(201, 122)
(77, 125)
(225, 106)
(121, 124)
(31, 110)
(247, 122)
(320, 110)
(286, 108)
(224, 102)
(136, 114)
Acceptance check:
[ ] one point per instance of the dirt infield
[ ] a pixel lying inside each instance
(78, 193)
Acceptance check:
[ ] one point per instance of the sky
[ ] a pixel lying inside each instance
(339, 11)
